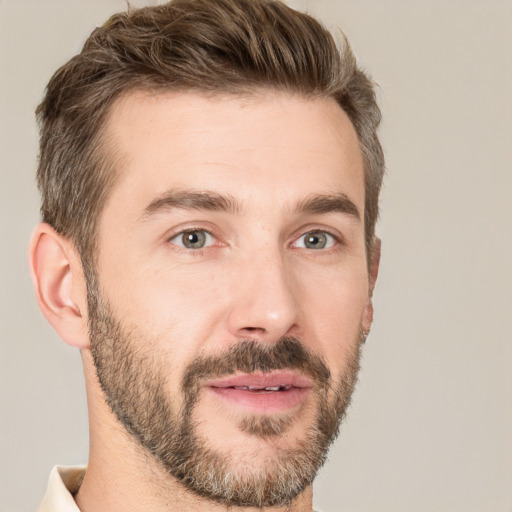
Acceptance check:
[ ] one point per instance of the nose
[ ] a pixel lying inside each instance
(264, 306)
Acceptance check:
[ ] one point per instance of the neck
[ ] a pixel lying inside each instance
(122, 476)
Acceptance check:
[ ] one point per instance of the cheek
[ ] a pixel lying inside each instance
(334, 313)
(180, 307)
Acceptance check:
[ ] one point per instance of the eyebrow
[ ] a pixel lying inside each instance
(327, 203)
(193, 200)
(212, 201)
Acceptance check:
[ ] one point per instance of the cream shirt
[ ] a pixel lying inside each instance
(63, 483)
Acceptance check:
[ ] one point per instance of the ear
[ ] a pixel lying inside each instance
(372, 279)
(59, 284)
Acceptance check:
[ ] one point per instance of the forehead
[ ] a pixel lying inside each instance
(240, 145)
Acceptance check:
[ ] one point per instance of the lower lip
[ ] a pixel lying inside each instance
(263, 401)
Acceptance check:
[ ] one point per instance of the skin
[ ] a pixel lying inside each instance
(256, 280)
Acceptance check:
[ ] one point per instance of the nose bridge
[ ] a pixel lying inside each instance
(265, 306)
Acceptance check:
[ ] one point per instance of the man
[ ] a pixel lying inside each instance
(210, 173)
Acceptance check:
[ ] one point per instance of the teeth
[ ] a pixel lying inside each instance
(268, 388)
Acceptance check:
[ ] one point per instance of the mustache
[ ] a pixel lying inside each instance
(249, 356)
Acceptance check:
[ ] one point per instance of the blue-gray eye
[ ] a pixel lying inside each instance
(315, 240)
(193, 239)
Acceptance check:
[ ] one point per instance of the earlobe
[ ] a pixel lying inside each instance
(59, 284)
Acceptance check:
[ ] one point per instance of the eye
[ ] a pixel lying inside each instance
(193, 239)
(315, 240)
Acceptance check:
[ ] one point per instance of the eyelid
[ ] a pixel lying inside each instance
(208, 243)
(179, 231)
(218, 239)
(336, 236)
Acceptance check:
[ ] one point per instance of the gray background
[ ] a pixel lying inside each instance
(431, 424)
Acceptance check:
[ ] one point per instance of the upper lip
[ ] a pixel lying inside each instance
(260, 380)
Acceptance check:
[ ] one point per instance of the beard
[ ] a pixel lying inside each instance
(134, 381)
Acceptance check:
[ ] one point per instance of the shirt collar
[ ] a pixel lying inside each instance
(63, 483)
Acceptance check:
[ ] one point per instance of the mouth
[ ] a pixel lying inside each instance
(264, 393)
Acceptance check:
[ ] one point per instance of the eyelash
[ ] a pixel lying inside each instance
(337, 239)
(192, 229)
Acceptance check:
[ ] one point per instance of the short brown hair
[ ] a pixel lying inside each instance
(226, 46)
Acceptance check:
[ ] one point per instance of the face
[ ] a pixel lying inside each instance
(231, 287)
